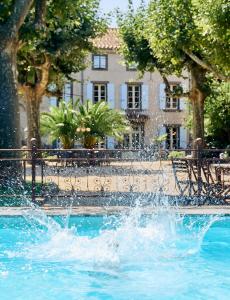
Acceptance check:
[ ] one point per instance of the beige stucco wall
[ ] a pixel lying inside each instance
(118, 74)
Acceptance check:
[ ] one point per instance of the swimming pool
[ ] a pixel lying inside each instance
(161, 256)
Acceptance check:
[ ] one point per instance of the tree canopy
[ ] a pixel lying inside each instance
(176, 35)
(173, 34)
(63, 39)
(51, 52)
(217, 116)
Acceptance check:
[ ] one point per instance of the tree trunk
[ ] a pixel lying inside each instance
(34, 95)
(67, 142)
(9, 112)
(89, 141)
(9, 116)
(197, 97)
(33, 115)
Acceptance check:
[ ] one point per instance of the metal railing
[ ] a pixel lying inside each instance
(55, 173)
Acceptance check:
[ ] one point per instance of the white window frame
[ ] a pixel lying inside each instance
(172, 102)
(100, 96)
(100, 62)
(131, 96)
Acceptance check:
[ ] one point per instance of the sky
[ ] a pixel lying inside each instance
(109, 5)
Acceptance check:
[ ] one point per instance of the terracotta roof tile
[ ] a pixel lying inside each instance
(110, 40)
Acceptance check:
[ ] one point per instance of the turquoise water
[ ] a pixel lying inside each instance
(162, 256)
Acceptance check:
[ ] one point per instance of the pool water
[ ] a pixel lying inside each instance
(162, 256)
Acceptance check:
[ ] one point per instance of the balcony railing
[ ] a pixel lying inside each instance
(137, 113)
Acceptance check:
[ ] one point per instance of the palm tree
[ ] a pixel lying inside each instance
(96, 121)
(61, 123)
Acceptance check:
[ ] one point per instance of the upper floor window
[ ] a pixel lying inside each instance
(134, 96)
(172, 102)
(99, 62)
(99, 92)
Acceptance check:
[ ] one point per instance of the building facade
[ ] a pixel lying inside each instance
(142, 99)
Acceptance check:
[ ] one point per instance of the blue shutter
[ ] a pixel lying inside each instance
(123, 96)
(162, 96)
(53, 101)
(183, 138)
(67, 91)
(111, 95)
(162, 131)
(182, 100)
(89, 91)
(145, 96)
(110, 142)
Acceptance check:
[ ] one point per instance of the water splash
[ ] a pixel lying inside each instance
(125, 239)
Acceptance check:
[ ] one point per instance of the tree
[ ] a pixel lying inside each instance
(88, 123)
(98, 121)
(61, 123)
(175, 35)
(12, 15)
(217, 116)
(50, 54)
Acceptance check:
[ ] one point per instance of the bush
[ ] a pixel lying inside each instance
(176, 154)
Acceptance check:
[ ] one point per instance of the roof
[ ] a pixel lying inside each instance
(109, 41)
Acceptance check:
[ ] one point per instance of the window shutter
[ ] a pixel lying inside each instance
(182, 104)
(53, 101)
(183, 138)
(183, 100)
(162, 131)
(111, 95)
(145, 96)
(110, 142)
(89, 91)
(162, 96)
(123, 96)
(67, 91)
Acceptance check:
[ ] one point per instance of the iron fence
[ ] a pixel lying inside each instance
(48, 174)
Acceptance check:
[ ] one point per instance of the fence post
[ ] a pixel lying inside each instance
(33, 167)
(198, 149)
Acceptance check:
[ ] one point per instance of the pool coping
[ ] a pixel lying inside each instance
(109, 210)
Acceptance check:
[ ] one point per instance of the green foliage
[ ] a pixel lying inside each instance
(160, 139)
(217, 115)
(5, 10)
(61, 123)
(65, 39)
(89, 123)
(168, 31)
(176, 154)
(135, 46)
(101, 121)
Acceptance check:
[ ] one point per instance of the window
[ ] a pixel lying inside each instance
(100, 62)
(172, 102)
(134, 139)
(134, 96)
(173, 137)
(99, 92)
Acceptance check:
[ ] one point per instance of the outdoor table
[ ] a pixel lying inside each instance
(221, 170)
